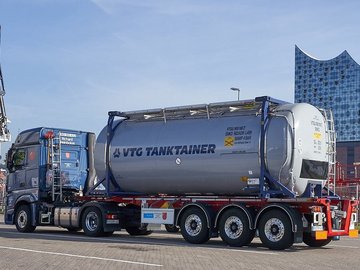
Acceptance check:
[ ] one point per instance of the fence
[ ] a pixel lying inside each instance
(348, 172)
(349, 191)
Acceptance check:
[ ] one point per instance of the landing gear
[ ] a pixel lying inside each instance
(172, 228)
(138, 230)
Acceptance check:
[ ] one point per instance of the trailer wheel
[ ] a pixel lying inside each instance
(23, 219)
(275, 230)
(312, 242)
(235, 228)
(194, 226)
(171, 228)
(92, 222)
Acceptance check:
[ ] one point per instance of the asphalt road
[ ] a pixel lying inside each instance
(54, 248)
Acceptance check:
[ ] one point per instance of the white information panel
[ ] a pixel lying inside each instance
(157, 215)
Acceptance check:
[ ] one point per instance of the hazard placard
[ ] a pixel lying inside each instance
(229, 141)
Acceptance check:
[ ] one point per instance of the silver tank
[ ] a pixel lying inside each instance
(214, 149)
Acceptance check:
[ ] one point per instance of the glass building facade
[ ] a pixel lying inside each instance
(333, 84)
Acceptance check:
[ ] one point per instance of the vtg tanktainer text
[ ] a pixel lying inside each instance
(224, 169)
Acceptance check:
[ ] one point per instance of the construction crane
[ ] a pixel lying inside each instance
(4, 131)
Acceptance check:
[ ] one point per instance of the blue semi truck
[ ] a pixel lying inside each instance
(226, 169)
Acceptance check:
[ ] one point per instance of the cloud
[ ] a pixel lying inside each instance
(106, 6)
(163, 7)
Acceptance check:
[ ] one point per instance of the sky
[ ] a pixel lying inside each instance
(66, 63)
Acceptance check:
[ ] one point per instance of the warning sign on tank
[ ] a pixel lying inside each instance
(229, 141)
(317, 124)
(237, 135)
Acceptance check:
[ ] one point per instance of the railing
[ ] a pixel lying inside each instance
(349, 191)
(346, 174)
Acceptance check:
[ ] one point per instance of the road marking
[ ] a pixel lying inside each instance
(342, 246)
(80, 256)
(145, 242)
(256, 252)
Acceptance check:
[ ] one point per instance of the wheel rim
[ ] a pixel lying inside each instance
(193, 225)
(274, 229)
(91, 221)
(233, 227)
(22, 219)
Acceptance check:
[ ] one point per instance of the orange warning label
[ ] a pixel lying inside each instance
(229, 141)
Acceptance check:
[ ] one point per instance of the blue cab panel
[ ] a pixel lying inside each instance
(31, 158)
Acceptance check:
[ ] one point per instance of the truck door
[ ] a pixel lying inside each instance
(16, 178)
(23, 169)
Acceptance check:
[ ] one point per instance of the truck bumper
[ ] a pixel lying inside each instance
(9, 216)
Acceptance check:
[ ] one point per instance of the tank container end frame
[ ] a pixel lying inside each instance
(269, 187)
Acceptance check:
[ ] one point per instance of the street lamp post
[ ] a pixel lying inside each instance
(236, 89)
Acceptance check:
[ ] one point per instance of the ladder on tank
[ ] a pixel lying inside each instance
(331, 149)
(55, 167)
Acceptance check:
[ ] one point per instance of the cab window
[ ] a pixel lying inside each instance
(19, 158)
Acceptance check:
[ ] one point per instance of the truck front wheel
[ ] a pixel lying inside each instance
(194, 226)
(275, 230)
(92, 222)
(23, 219)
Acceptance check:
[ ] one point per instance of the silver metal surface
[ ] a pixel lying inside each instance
(67, 217)
(274, 229)
(193, 225)
(91, 221)
(233, 227)
(151, 156)
(22, 219)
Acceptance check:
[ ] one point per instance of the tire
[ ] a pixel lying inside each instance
(275, 230)
(138, 231)
(194, 226)
(172, 228)
(235, 229)
(92, 222)
(23, 219)
(312, 242)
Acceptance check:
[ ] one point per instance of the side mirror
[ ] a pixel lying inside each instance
(9, 160)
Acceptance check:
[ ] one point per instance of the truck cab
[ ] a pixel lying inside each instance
(46, 164)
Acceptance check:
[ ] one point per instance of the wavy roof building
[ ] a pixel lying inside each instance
(333, 84)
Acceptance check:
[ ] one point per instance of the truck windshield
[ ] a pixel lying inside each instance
(313, 169)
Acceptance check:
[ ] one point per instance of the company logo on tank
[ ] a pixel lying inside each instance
(192, 149)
